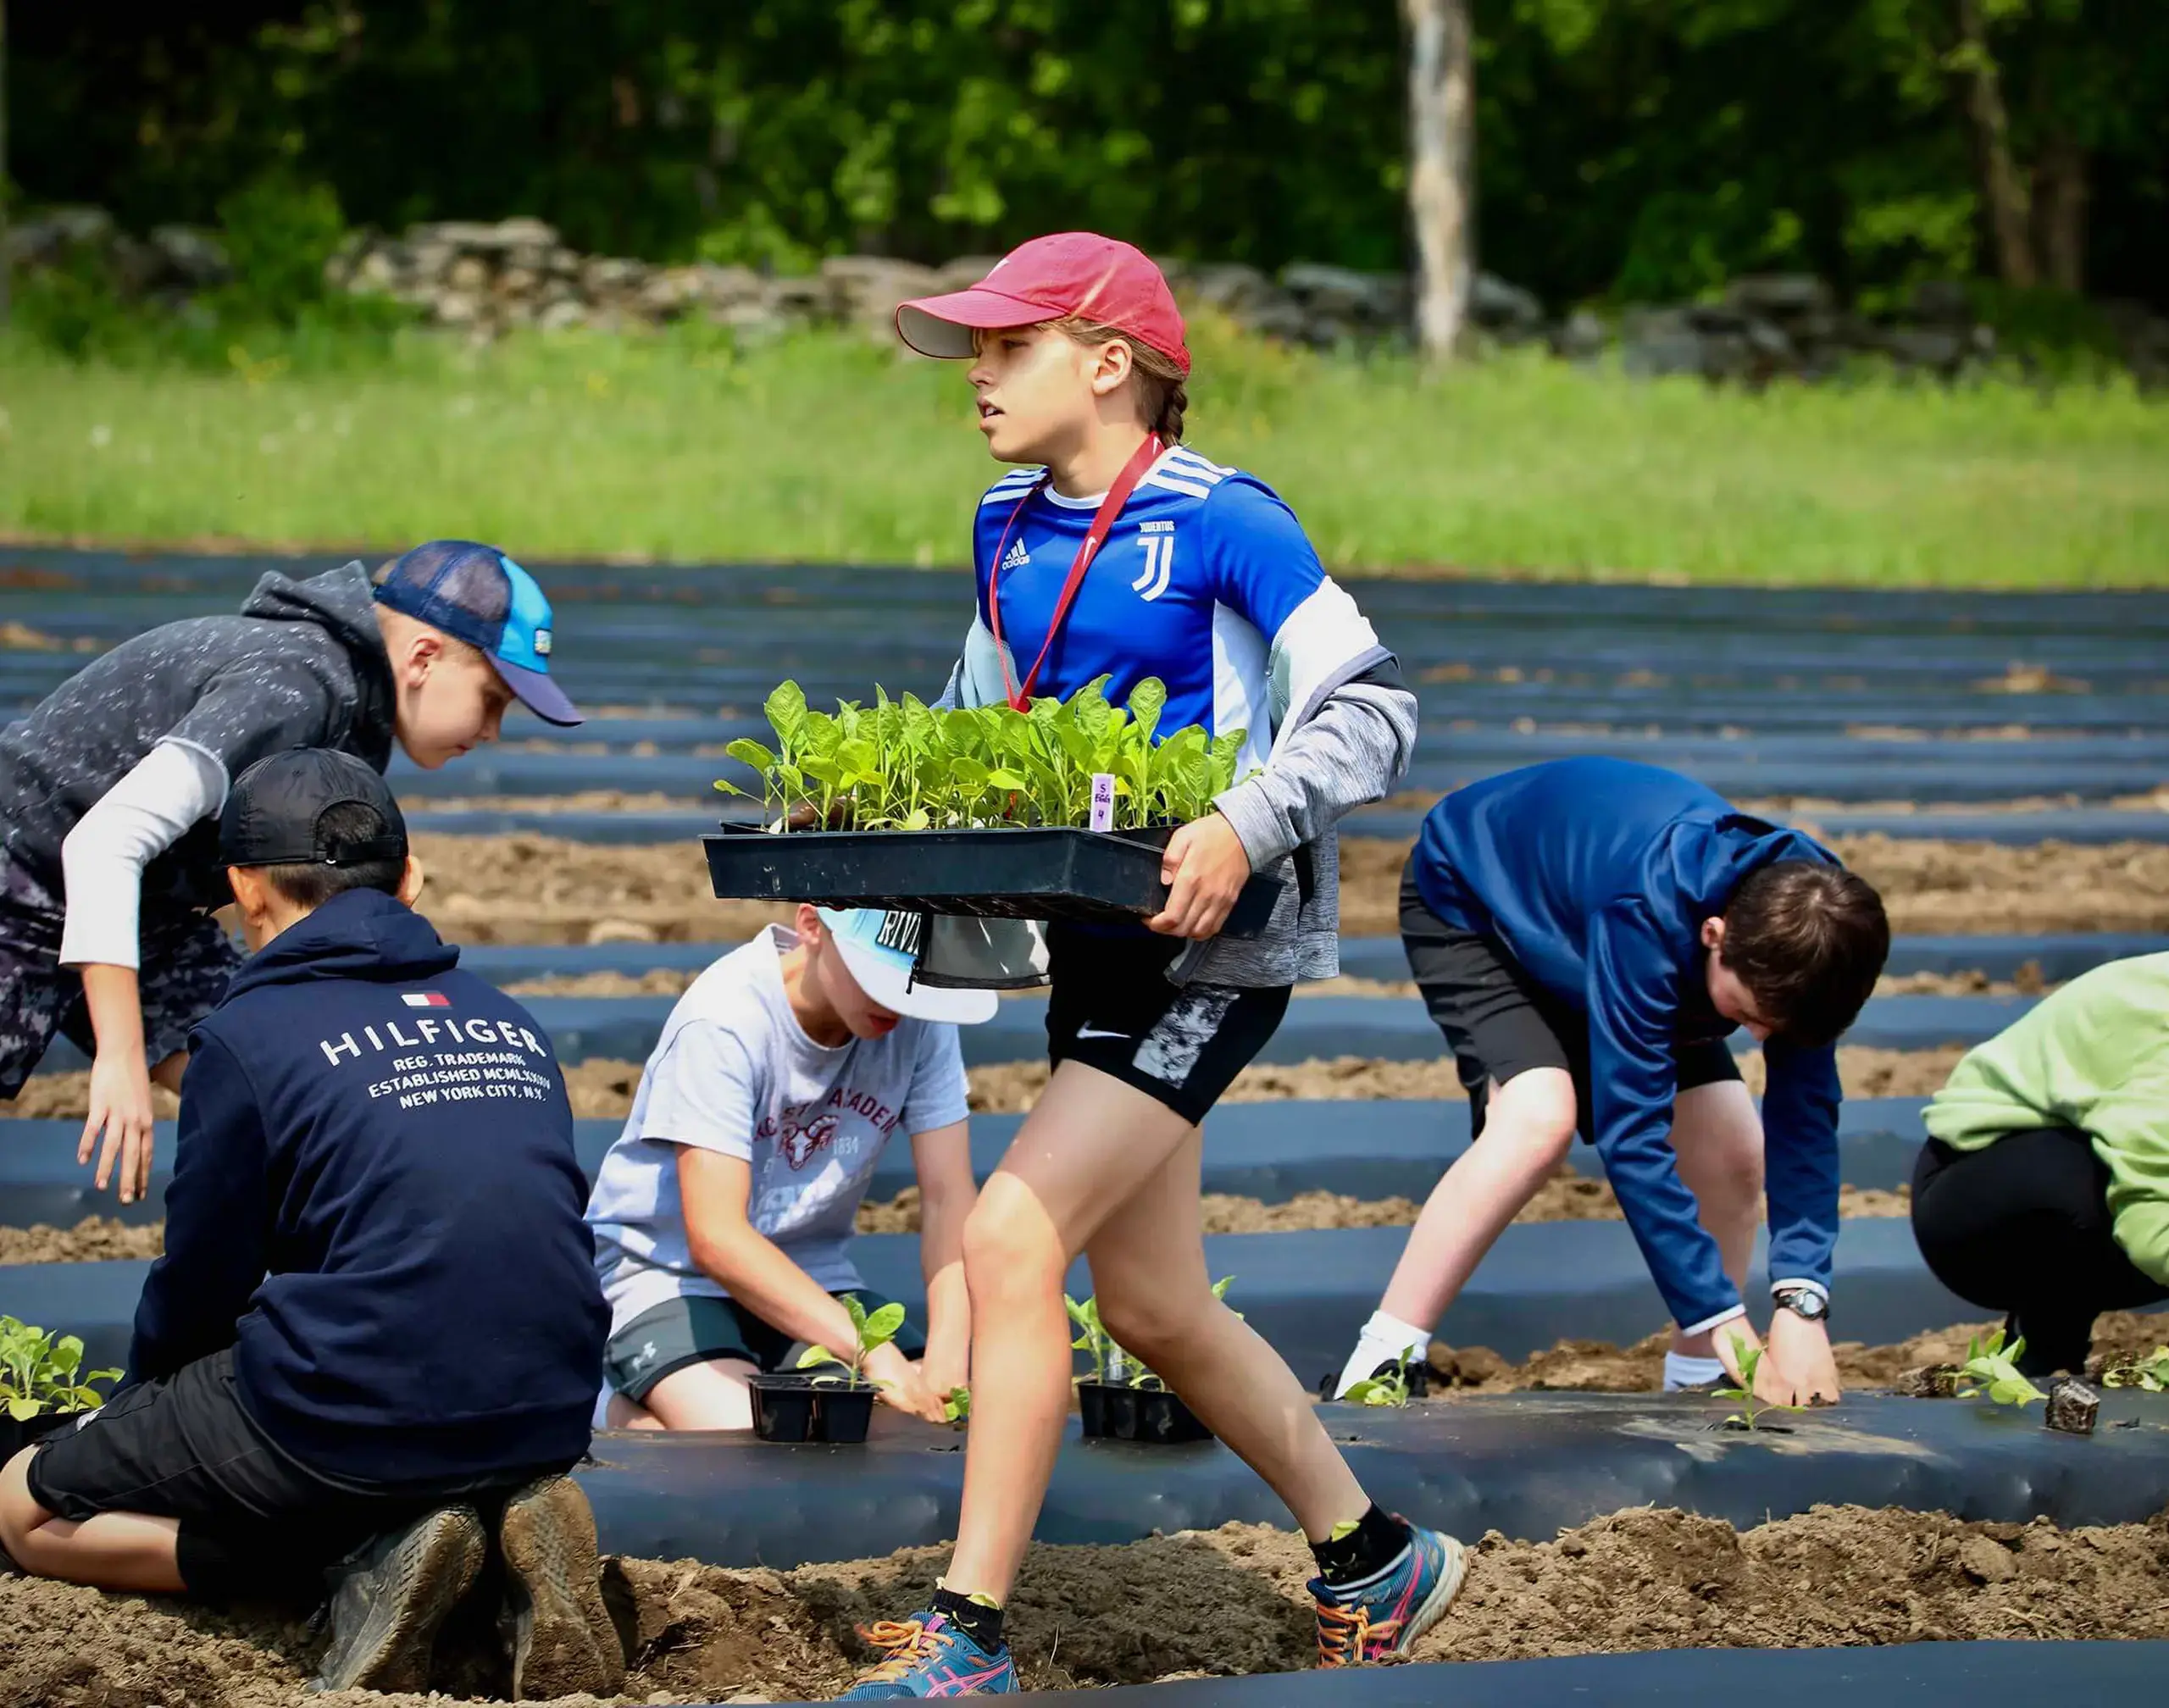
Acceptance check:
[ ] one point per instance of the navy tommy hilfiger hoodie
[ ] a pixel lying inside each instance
(375, 1201)
(1596, 875)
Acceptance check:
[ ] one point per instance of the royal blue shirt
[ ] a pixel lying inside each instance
(1594, 876)
(375, 1201)
(1206, 581)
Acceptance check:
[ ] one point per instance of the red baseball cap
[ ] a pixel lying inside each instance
(1070, 273)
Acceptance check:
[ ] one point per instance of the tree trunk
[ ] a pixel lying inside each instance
(2059, 211)
(2003, 195)
(1442, 167)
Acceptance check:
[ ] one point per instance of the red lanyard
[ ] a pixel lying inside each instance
(1096, 536)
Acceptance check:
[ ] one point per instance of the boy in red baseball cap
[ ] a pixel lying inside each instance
(1114, 551)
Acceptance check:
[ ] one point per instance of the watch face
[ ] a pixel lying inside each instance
(1812, 1305)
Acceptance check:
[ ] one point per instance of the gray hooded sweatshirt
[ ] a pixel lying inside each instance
(302, 665)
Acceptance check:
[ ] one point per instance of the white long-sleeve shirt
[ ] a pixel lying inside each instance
(174, 786)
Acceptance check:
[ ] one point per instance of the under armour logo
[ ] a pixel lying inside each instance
(1017, 557)
(647, 1355)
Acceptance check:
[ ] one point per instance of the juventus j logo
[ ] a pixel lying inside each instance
(1159, 566)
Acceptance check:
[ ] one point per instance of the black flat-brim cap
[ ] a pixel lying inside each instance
(275, 808)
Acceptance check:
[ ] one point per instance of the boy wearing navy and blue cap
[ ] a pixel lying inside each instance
(1586, 934)
(374, 1337)
(110, 791)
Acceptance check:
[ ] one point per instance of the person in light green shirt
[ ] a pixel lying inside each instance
(2042, 1191)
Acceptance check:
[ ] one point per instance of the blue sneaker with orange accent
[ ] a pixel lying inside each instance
(929, 1656)
(1381, 1615)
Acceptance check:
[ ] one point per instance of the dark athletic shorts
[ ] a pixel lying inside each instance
(665, 1339)
(1113, 1008)
(254, 1521)
(186, 961)
(1500, 1022)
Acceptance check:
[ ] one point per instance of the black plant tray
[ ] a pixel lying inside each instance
(1114, 1411)
(15, 1436)
(1101, 876)
(795, 1408)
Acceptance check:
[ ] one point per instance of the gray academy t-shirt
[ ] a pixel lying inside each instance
(734, 1073)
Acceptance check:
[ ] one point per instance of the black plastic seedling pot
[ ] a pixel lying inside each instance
(1114, 1412)
(1112, 877)
(15, 1435)
(800, 1409)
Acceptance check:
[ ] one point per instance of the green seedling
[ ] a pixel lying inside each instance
(2150, 1373)
(1110, 1363)
(1388, 1389)
(1751, 1412)
(904, 765)
(41, 1372)
(1992, 1369)
(956, 1405)
(874, 1332)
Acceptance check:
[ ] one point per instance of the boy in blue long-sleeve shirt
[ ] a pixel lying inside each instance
(376, 1328)
(1585, 933)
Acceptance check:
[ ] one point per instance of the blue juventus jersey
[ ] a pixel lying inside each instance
(1205, 581)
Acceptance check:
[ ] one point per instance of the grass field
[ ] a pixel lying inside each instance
(826, 447)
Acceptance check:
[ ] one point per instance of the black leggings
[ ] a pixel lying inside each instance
(2022, 1226)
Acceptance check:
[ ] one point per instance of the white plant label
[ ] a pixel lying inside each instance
(1103, 801)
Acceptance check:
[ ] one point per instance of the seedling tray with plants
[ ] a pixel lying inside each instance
(828, 1397)
(43, 1386)
(1121, 1399)
(1061, 813)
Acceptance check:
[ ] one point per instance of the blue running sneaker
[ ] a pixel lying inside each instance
(1383, 1614)
(929, 1656)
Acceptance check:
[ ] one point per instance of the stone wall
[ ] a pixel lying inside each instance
(482, 279)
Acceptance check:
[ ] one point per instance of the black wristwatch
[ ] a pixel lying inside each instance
(1804, 1302)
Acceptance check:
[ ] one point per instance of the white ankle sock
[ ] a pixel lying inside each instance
(1681, 1370)
(1384, 1339)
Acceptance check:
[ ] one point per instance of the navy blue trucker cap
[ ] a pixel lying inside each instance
(273, 814)
(476, 594)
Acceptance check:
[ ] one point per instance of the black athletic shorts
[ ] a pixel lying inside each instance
(695, 1330)
(1113, 1008)
(254, 1521)
(1500, 1022)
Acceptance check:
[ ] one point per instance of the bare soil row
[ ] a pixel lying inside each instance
(1197, 1603)
(1568, 1198)
(530, 889)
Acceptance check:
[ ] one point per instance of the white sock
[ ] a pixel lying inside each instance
(1384, 1339)
(1681, 1370)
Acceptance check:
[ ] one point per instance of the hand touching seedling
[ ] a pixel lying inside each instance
(1388, 1389)
(1751, 1412)
(904, 765)
(876, 1335)
(1989, 1364)
(40, 1372)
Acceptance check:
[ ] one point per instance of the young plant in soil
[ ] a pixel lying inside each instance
(957, 1406)
(41, 1373)
(873, 1332)
(1111, 1364)
(2149, 1373)
(1388, 1389)
(1994, 1369)
(904, 765)
(1751, 1412)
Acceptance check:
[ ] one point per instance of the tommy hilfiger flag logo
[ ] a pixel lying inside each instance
(425, 999)
(1017, 557)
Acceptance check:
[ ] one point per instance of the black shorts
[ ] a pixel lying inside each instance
(187, 960)
(695, 1329)
(1113, 1008)
(1499, 1022)
(254, 1521)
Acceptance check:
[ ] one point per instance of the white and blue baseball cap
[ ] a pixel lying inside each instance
(476, 594)
(882, 950)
